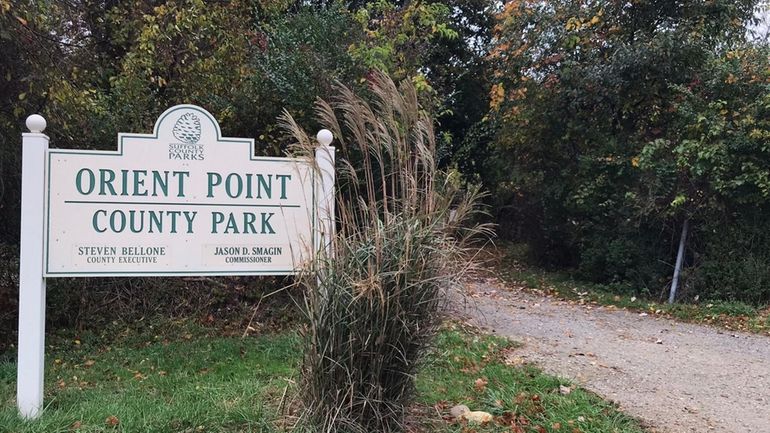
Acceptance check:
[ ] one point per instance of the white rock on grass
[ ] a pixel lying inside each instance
(477, 417)
(459, 410)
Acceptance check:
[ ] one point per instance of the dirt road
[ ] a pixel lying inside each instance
(675, 377)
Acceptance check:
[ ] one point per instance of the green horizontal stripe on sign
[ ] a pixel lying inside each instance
(151, 203)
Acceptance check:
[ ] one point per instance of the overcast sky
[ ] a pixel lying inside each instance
(763, 28)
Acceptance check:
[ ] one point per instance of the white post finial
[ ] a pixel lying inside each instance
(36, 123)
(325, 137)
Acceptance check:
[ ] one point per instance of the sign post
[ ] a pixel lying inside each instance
(324, 156)
(182, 201)
(29, 377)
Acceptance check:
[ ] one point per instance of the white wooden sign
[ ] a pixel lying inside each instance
(181, 201)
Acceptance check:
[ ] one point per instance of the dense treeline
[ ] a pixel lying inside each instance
(615, 123)
(599, 127)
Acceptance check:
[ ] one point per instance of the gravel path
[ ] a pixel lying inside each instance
(675, 377)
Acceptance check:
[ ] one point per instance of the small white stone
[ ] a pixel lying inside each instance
(36, 123)
(459, 410)
(325, 137)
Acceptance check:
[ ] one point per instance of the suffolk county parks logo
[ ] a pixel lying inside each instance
(187, 130)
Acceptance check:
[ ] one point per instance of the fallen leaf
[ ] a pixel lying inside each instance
(112, 421)
(480, 384)
(512, 360)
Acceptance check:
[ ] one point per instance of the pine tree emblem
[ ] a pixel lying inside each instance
(187, 129)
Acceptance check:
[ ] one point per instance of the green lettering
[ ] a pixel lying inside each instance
(266, 185)
(216, 219)
(229, 182)
(117, 221)
(173, 214)
(156, 220)
(95, 222)
(106, 177)
(139, 182)
(180, 175)
(79, 181)
(266, 223)
(190, 216)
(159, 182)
(214, 179)
(124, 186)
(133, 223)
(249, 177)
(284, 178)
(231, 225)
(248, 223)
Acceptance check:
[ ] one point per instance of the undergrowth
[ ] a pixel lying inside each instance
(508, 263)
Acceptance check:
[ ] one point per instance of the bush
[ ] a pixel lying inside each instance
(373, 306)
(735, 265)
(9, 294)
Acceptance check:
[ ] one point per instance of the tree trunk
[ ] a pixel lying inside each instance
(679, 260)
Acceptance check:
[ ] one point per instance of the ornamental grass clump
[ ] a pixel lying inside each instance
(403, 239)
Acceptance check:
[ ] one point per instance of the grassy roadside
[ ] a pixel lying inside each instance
(183, 377)
(484, 373)
(734, 316)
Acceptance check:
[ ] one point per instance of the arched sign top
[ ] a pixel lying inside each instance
(187, 131)
(189, 124)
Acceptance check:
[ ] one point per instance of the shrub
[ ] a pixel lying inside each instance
(735, 263)
(372, 306)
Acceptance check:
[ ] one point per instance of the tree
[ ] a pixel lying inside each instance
(585, 94)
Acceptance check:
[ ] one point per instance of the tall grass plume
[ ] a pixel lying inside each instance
(404, 237)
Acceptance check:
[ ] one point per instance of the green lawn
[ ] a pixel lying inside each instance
(186, 378)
